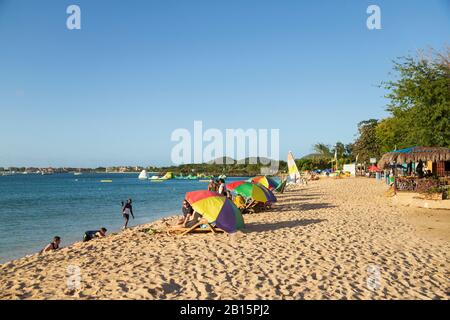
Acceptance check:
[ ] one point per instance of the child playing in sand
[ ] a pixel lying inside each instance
(54, 245)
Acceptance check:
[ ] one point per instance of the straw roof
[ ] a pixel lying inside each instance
(415, 154)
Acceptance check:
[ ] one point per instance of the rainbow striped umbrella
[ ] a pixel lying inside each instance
(250, 190)
(216, 208)
(266, 181)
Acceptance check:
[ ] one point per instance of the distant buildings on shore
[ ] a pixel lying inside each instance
(51, 170)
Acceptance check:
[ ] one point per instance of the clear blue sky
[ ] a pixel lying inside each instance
(112, 92)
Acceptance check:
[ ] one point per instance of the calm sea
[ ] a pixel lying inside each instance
(34, 208)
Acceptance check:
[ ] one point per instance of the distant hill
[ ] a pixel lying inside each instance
(222, 160)
(257, 160)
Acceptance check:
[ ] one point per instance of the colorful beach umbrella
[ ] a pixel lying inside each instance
(268, 182)
(250, 190)
(216, 209)
(374, 168)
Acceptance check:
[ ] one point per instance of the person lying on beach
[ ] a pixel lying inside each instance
(101, 233)
(127, 209)
(89, 235)
(54, 245)
(187, 211)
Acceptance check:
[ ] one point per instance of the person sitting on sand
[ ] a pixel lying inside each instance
(54, 245)
(127, 209)
(191, 220)
(187, 211)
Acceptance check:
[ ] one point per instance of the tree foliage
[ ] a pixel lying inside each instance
(366, 145)
(419, 103)
(419, 108)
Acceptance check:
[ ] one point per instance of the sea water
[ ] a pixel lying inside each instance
(35, 208)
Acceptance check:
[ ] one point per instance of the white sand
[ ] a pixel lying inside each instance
(328, 240)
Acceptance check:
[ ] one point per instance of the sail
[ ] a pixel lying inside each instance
(168, 175)
(143, 175)
(294, 174)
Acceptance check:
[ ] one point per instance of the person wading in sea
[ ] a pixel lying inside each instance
(127, 209)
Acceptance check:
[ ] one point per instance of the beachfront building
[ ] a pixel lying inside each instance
(418, 169)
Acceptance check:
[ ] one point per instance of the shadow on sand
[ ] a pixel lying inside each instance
(258, 227)
(303, 206)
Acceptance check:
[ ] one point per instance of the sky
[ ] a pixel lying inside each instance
(113, 92)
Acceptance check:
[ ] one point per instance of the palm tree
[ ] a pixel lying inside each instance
(323, 150)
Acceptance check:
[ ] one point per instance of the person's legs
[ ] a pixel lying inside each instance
(126, 217)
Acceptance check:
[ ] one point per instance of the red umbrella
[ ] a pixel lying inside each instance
(374, 168)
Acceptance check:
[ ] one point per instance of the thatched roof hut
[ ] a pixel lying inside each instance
(415, 154)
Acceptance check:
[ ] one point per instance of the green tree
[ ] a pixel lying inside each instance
(366, 145)
(419, 103)
(322, 150)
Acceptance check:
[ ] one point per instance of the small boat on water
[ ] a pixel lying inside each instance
(167, 176)
(143, 175)
(77, 173)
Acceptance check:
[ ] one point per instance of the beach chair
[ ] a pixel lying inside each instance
(196, 228)
(254, 207)
(281, 187)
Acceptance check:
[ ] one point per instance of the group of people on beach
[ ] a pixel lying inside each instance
(126, 209)
(190, 217)
(218, 185)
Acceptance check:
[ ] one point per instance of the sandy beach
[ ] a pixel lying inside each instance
(331, 239)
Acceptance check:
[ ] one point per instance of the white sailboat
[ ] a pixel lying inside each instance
(143, 175)
(294, 176)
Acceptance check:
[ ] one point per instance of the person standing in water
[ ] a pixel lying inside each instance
(127, 209)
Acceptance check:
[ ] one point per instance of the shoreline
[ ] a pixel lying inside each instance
(115, 233)
(317, 243)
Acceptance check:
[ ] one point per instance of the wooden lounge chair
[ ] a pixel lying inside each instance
(196, 228)
(254, 207)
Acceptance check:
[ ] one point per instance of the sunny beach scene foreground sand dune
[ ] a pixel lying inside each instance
(331, 239)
